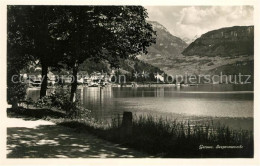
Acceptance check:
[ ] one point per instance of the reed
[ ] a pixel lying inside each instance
(161, 137)
(171, 138)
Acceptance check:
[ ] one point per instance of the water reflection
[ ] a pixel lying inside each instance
(232, 101)
(200, 101)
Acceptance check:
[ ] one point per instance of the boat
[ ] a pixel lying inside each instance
(93, 84)
(36, 83)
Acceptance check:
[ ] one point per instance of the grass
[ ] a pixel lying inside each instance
(162, 137)
(181, 139)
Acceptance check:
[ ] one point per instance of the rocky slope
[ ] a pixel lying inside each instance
(231, 42)
(223, 50)
(166, 48)
(227, 50)
(126, 66)
(166, 45)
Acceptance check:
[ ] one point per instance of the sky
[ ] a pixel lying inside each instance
(189, 21)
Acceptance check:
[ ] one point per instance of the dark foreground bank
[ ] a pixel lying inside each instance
(158, 136)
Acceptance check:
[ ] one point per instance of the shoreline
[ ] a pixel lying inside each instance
(152, 136)
(136, 85)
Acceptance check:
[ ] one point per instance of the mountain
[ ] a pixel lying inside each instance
(231, 41)
(158, 59)
(227, 50)
(127, 67)
(230, 50)
(167, 47)
(188, 41)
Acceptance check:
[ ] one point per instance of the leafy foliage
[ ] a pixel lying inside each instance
(17, 58)
(106, 33)
(72, 34)
(60, 100)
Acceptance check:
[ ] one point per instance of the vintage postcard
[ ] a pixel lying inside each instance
(168, 82)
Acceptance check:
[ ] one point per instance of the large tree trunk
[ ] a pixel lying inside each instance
(44, 81)
(74, 84)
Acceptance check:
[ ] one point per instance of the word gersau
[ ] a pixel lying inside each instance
(220, 147)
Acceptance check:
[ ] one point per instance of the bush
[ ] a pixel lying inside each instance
(15, 93)
(60, 100)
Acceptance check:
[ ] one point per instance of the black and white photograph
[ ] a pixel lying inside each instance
(129, 81)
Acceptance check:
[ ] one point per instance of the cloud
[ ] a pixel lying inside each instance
(189, 21)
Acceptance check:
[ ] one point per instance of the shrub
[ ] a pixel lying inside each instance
(15, 93)
(60, 99)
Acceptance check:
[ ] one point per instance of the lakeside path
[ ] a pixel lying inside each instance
(28, 138)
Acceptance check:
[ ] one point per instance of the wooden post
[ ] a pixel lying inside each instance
(118, 120)
(15, 103)
(127, 125)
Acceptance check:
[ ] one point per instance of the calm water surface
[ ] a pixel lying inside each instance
(218, 101)
(192, 101)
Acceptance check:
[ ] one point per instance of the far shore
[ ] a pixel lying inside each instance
(147, 85)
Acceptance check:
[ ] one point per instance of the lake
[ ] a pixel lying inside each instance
(226, 103)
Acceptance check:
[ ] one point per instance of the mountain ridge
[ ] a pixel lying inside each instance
(229, 47)
(227, 41)
(166, 48)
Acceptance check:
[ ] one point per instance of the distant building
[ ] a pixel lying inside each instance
(159, 77)
(38, 69)
(51, 78)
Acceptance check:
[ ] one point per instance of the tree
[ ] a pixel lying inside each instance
(17, 59)
(35, 25)
(104, 33)
(72, 34)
